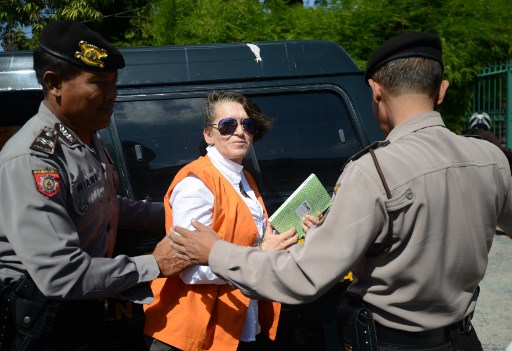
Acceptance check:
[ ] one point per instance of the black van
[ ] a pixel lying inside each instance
(313, 91)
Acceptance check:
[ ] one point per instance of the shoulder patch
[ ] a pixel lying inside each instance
(47, 181)
(67, 135)
(45, 141)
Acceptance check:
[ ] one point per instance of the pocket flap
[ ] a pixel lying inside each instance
(405, 198)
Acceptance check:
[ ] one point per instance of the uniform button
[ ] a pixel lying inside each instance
(409, 195)
(85, 207)
(27, 320)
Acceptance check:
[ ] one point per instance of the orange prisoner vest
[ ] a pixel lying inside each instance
(208, 316)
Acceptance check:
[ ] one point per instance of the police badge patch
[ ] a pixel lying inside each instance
(47, 181)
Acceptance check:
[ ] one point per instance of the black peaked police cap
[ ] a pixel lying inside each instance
(411, 44)
(76, 43)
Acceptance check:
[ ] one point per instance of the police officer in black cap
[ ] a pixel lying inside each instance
(60, 212)
(405, 219)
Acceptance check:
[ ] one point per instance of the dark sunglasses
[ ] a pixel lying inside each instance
(227, 126)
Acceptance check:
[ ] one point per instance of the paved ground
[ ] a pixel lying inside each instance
(493, 314)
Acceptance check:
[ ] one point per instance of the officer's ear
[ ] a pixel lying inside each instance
(53, 82)
(442, 91)
(376, 90)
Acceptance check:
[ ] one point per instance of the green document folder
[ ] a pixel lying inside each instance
(309, 198)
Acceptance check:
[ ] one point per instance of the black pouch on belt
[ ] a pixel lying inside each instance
(356, 327)
(33, 314)
(6, 325)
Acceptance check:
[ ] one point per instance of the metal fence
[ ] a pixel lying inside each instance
(493, 95)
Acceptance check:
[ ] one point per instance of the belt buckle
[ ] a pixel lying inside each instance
(465, 325)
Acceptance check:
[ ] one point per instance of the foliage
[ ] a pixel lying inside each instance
(474, 32)
(17, 14)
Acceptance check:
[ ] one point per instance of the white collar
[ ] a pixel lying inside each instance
(231, 170)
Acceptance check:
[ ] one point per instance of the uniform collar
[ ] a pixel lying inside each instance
(415, 123)
(66, 133)
(47, 116)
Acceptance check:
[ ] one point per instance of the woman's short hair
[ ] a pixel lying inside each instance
(249, 106)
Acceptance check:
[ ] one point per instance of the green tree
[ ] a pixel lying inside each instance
(35, 14)
(113, 18)
(474, 32)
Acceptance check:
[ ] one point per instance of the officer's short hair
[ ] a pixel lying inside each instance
(410, 44)
(45, 62)
(409, 62)
(410, 75)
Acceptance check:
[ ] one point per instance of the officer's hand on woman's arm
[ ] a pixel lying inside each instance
(168, 259)
(194, 246)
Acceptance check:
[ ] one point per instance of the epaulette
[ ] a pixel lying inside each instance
(67, 135)
(45, 141)
(473, 136)
(359, 154)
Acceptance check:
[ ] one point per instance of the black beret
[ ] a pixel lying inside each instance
(78, 44)
(412, 44)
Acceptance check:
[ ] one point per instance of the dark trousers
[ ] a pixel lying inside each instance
(459, 342)
(78, 327)
(262, 343)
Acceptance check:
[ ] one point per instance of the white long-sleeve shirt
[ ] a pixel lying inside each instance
(191, 198)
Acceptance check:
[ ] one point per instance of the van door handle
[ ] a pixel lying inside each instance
(342, 136)
(138, 152)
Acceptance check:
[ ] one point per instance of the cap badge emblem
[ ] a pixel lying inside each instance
(91, 54)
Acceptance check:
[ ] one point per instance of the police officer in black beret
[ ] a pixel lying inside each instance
(60, 212)
(405, 219)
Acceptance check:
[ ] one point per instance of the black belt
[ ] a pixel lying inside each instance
(390, 337)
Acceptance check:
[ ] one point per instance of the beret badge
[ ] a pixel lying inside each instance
(91, 54)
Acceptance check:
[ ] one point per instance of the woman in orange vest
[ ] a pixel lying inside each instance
(197, 310)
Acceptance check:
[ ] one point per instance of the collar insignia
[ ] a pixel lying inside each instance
(69, 137)
(91, 54)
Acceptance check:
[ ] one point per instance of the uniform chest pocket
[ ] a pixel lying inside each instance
(88, 193)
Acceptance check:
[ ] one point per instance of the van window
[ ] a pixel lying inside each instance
(17, 108)
(6, 132)
(312, 133)
(158, 137)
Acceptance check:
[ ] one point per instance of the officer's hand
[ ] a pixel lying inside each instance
(276, 242)
(194, 246)
(167, 258)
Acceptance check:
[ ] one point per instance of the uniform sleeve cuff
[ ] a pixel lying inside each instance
(147, 268)
(218, 259)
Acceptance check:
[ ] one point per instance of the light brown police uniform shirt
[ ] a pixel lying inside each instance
(448, 194)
